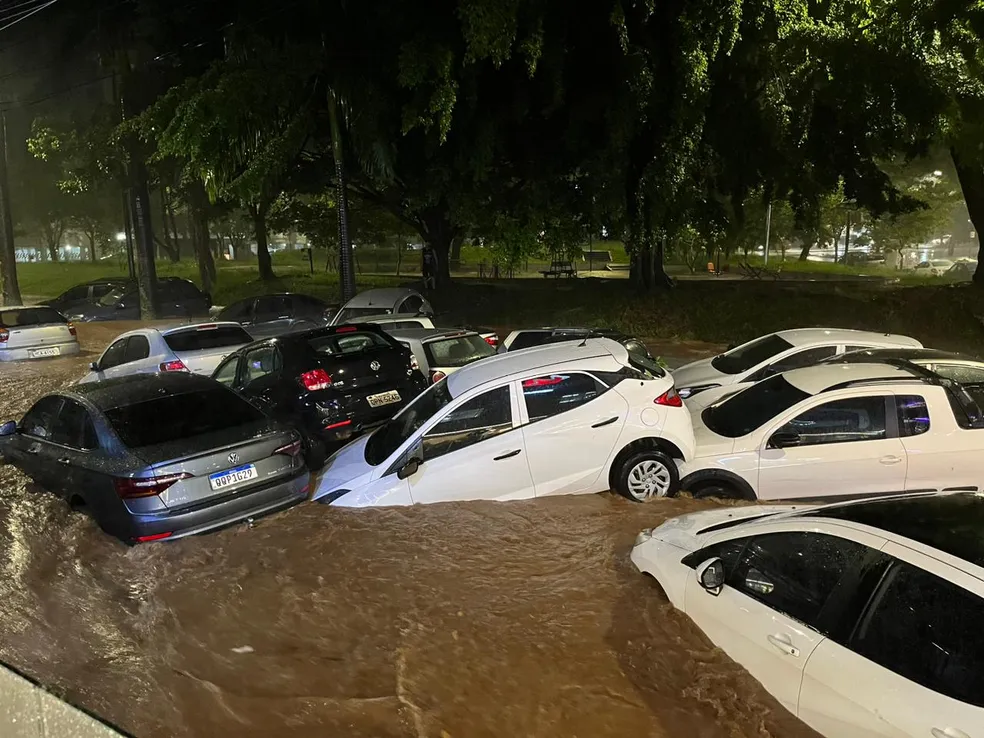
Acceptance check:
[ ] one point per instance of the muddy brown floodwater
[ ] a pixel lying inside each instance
(465, 620)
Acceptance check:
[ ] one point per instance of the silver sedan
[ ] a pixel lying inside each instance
(35, 333)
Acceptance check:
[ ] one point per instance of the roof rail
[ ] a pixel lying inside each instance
(874, 381)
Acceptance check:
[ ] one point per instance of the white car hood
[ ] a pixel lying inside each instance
(683, 532)
(347, 469)
(698, 373)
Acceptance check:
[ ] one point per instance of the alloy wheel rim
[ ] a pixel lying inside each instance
(649, 478)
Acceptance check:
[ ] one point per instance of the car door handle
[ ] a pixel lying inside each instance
(783, 643)
(948, 733)
(508, 455)
(602, 423)
(889, 460)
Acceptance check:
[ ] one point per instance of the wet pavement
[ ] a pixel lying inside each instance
(465, 619)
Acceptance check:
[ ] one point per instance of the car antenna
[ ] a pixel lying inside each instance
(584, 342)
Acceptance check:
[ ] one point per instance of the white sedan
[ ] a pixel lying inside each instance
(776, 353)
(196, 348)
(569, 418)
(863, 619)
(838, 430)
(35, 332)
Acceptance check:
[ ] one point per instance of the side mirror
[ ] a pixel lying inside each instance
(94, 366)
(408, 469)
(784, 439)
(710, 574)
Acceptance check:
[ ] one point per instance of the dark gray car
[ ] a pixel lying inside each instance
(158, 456)
(273, 315)
(176, 297)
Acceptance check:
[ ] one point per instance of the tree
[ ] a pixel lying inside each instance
(937, 195)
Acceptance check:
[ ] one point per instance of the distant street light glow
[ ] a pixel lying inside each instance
(121, 236)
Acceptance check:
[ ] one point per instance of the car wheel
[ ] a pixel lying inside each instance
(647, 474)
(720, 490)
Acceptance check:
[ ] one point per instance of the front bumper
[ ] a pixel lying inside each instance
(69, 348)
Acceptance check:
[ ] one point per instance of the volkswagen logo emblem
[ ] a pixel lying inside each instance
(374, 365)
(233, 458)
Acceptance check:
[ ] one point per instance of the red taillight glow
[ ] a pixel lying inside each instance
(291, 449)
(174, 366)
(338, 425)
(129, 488)
(155, 537)
(437, 377)
(4, 335)
(208, 327)
(492, 340)
(316, 379)
(542, 382)
(670, 398)
(347, 329)
(414, 364)
(71, 328)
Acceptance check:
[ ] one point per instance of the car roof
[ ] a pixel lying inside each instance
(805, 336)
(906, 354)
(821, 377)
(425, 335)
(382, 297)
(514, 362)
(134, 388)
(209, 325)
(4, 308)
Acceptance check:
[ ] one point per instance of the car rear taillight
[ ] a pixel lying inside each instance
(347, 329)
(437, 377)
(670, 398)
(492, 340)
(4, 335)
(316, 379)
(291, 449)
(71, 328)
(129, 488)
(174, 366)
(414, 364)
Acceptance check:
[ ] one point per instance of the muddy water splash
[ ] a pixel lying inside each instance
(474, 619)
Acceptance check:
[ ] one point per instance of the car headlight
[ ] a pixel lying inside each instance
(643, 536)
(691, 391)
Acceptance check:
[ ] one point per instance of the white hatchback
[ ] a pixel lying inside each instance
(777, 353)
(35, 332)
(863, 619)
(569, 418)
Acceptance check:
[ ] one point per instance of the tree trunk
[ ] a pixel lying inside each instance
(346, 266)
(167, 245)
(8, 254)
(200, 236)
(454, 258)
(91, 236)
(805, 251)
(263, 259)
(971, 177)
(146, 267)
(439, 233)
(51, 243)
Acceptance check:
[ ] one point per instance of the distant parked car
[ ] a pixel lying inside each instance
(397, 322)
(194, 348)
(862, 619)
(272, 315)
(177, 298)
(442, 352)
(935, 268)
(329, 382)
(776, 353)
(967, 370)
(961, 271)
(153, 457)
(86, 293)
(529, 337)
(35, 333)
(573, 418)
(380, 302)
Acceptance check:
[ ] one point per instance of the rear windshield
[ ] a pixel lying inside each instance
(750, 355)
(455, 352)
(347, 314)
(204, 338)
(30, 316)
(390, 436)
(175, 417)
(528, 339)
(348, 343)
(742, 413)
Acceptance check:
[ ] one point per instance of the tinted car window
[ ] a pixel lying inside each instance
(553, 394)
(794, 573)
(73, 427)
(841, 421)
(961, 373)
(180, 417)
(348, 343)
(40, 419)
(113, 355)
(527, 339)
(750, 355)
(913, 415)
(238, 312)
(182, 290)
(226, 372)
(26, 317)
(137, 348)
(76, 293)
(119, 295)
(271, 308)
(392, 434)
(809, 357)
(455, 352)
(411, 305)
(848, 349)
(927, 630)
(353, 313)
(479, 419)
(308, 306)
(101, 289)
(260, 362)
(202, 339)
(742, 413)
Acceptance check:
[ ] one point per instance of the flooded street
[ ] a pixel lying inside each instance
(466, 620)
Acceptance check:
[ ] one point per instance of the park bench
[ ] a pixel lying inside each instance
(560, 269)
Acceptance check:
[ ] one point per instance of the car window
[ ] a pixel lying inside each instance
(40, 419)
(308, 306)
(411, 305)
(137, 348)
(226, 372)
(848, 349)
(963, 373)
(207, 337)
(913, 415)
(180, 290)
(395, 431)
(261, 362)
(99, 290)
(750, 355)
(840, 421)
(350, 342)
(727, 551)
(458, 351)
(552, 394)
(113, 356)
(479, 419)
(26, 317)
(808, 357)
(749, 409)
(927, 630)
(528, 339)
(73, 427)
(398, 325)
(794, 573)
(238, 312)
(352, 313)
(272, 307)
(76, 293)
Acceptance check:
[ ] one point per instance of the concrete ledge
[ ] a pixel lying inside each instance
(28, 711)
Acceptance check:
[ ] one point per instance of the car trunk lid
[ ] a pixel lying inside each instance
(205, 360)
(38, 336)
(374, 369)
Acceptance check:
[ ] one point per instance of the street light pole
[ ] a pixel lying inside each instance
(768, 229)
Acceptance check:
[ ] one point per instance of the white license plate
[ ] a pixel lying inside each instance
(38, 353)
(221, 480)
(383, 398)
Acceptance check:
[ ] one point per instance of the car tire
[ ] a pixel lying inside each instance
(646, 474)
(720, 490)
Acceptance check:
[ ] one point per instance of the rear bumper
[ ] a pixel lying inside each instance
(337, 420)
(218, 514)
(69, 348)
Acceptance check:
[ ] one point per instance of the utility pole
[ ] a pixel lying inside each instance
(768, 229)
(346, 267)
(8, 254)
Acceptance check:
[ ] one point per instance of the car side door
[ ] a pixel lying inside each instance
(772, 611)
(915, 658)
(474, 451)
(845, 446)
(111, 358)
(134, 360)
(29, 448)
(260, 376)
(75, 446)
(570, 423)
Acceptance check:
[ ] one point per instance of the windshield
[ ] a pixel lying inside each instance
(750, 355)
(30, 316)
(742, 413)
(347, 314)
(390, 436)
(456, 352)
(112, 297)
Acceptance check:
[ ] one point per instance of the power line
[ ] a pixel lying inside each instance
(28, 15)
(8, 8)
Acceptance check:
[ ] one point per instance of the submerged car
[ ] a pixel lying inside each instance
(271, 315)
(87, 292)
(176, 297)
(777, 353)
(573, 418)
(194, 348)
(530, 337)
(35, 333)
(381, 302)
(863, 619)
(153, 457)
(934, 268)
(397, 323)
(442, 352)
(330, 383)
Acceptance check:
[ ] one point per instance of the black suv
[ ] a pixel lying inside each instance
(176, 297)
(86, 292)
(271, 315)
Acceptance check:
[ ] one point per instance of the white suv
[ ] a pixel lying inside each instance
(569, 418)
